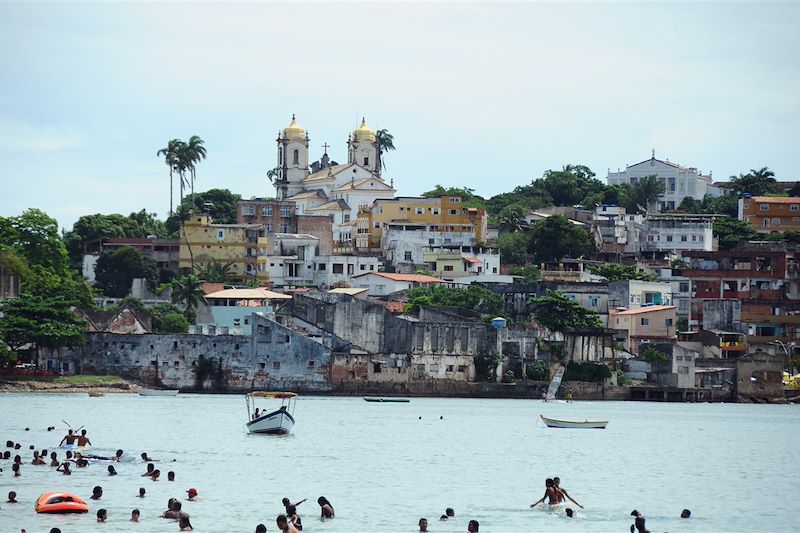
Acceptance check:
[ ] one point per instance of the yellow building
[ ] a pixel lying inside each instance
(438, 214)
(768, 214)
(244, 245)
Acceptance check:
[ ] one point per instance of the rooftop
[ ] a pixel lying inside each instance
(641, 310)
(415, 278)
(776, 199)
(247, 294)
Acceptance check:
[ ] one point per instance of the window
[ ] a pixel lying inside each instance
(220, 234)
(347, 217)
(448, 268)
(362, 267)
(794, 207)
(376, 225)
(645, 321)
(338, 268)
(763, 207)
(683, 370)
(694, 238)
(668, 322)
(684, 238)
(766, 222)
(266, 211)
(435, 210)
(248, 210)
(455, 200)
(420, 210)
(310, 364)
(776, 221)
(276, 365)
(407, 256)
(452, 212)
(402, 209)
(285, 228)
(321, 267)
(669, 238)
(296, 157)
(286, 211)
(366, 161)
(594, 301)
(684, 286)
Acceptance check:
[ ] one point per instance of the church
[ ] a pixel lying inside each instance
(325, 187)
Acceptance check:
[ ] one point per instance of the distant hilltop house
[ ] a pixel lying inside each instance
(768, 214)
(679, 181)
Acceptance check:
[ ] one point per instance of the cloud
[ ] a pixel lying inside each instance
(20, 136)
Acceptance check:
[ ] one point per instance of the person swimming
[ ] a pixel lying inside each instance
(184, 524)
(83, 440)
(423, 524)
(12, 497)
(686, 513)
(68, 439)
(638, 522)
(150, 469)
(550, 493)
(473, 526)
(97, 493)
(64, 468)
(142, 492)
(284, 525)
(261, 528)
(102, 514)
(170, 476)
(326, 509)
(562, 492)
(295, 519)
(111, 470)
(135, 515)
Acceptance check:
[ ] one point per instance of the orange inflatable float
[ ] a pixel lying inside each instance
(60, 502)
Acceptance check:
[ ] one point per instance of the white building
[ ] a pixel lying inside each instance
(676, 232)
(616, 231)
(633, 294)
(343, 269)
(383, 283)
(681, 291)
(404, 243)
(679, 181)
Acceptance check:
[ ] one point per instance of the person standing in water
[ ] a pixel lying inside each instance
(562, 493)
(83, 440)
(69, 438)
(550, 493)
(326, 509)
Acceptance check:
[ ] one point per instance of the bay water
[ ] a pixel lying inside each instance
(383, 466)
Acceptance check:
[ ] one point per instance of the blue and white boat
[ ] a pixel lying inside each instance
(277, 422)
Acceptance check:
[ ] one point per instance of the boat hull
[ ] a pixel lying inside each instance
(569, 424)
(386, 400)
(278, 422)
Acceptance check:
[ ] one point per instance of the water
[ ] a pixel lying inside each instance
(383, 468)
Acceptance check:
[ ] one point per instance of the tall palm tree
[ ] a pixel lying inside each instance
(755, 182)
(194, 152)
(183, 213)
(187, 290)
(385, 144)
(170, 155)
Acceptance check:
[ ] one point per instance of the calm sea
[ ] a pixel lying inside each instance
(383, 467)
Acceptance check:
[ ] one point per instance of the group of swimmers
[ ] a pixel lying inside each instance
(290, 521)
(472, 526)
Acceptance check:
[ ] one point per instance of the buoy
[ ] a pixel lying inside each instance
(60, 503)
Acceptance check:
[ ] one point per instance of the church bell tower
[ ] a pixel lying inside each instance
(292, 160)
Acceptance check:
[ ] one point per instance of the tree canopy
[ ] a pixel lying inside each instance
(115, 271)
(469, 198)
(45, 322)
(616, 272)
(473, 297)
(90, 227)
(219, 203)
(558, 313)
(556, 237)
(731, 232)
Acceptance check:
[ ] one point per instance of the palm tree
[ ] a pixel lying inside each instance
(183, 213)
(385, 144)
(194, 152)
(755, 182)
(170, 155)
(214, 272)
(646, 192)
(187, 290)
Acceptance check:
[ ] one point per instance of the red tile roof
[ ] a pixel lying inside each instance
(776, 199)
(648, 309)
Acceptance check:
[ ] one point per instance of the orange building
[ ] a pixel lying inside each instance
(768, 214)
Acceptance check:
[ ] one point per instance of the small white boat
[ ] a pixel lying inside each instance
(158, 392)
(278, 422)
(569, 424)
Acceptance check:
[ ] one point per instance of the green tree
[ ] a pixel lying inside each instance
(468, 196)
(538, 371)
(188, 291)
(615, 272)
(529, 274)
(45, 322)
(34, 236)
(385, 144)
(193, 153)
(165, 319)
(556, 237)
(651, 355)
(558, 313)
(511, 218)
(170, 153)
(115, 271)
(731, 232)
(214, 272)
(513, 247)
(571, 185)
(90, 227)
(69, 286)
(473, 297)
(219, 203)
(756, 182)
(645, 193)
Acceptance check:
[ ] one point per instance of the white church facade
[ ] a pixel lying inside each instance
(327, 188)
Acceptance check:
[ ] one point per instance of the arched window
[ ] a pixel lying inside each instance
(280, 155)
(766, 222)
(776, 221)
(296, 157)
(365, 154)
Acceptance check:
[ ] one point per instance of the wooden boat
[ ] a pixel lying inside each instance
(96, 394)
(569, 424)
(277, 422)
(386, 400)
(159, 392)
(60, 503)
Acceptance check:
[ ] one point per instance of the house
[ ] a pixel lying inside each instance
(405, 242)
(382, 283)
(634, 293)
(617, 232)
(284, 216)
(679, 181)
(165, 252)
(451, 263)
(650, 324)
(242, 245)
(675, 232)
(233, 308)
(768, 214)
(444, 214)
(123, 321)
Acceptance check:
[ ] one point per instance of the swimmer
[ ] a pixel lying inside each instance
(150, 468)
(473, 526)
(449, 512)
(81, 463)
(12, 497)
(170, 476)
(569, 512)
(118, 456)
(97, 493)
(550, 493)
(184, 524)
(147, 459)
(283, 524)
(37, 459)
(111, 470)
(563, 492)
(135, 515)
(102, 514)
(155, 475)
(638, 522)
(64, 469)
(291, 512)
(326, 509)
(192, 495)
(174, 510)
(286, 503)
(54, 459)
(15, 469)
(69, 438)
(261, 528)
(83, 440)
(686, 513)
(141, 492)
(423, 524)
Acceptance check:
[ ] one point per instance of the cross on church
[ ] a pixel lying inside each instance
(325, 147)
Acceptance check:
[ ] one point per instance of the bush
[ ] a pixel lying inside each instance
(175, 323)
(538, 371)
(586, 372)
(622, 379)
(508, 377)
(651, 355)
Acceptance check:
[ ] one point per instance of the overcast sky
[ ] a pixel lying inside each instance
(487, 96)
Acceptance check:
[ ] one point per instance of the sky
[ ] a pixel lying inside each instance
(486, 96)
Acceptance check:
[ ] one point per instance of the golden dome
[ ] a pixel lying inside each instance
(363, 133)
(294, 132)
